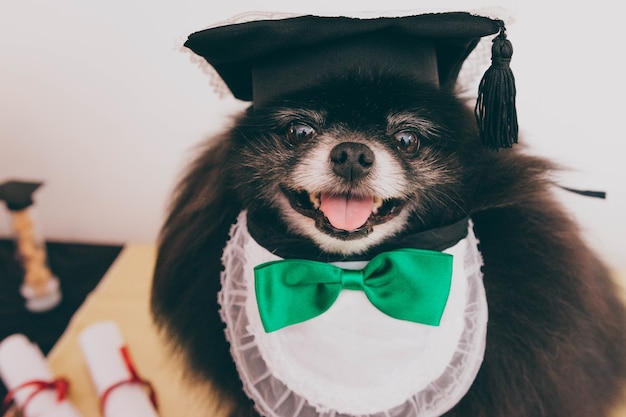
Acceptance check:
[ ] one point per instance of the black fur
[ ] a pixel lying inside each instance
(557, 331)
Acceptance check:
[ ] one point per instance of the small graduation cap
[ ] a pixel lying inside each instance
(18, 195)
(262, 60)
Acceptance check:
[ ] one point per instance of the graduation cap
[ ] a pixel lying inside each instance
(262, 60)
(18, 195)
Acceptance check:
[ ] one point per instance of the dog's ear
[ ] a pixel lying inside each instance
(187, 273)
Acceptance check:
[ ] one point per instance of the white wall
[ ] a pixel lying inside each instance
(97, 100)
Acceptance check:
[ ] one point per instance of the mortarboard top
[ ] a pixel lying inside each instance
(265, 59)
(18, 195)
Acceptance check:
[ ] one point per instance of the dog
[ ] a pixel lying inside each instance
(353, 166)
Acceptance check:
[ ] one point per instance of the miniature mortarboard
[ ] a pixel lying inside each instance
(262, 60)
(18, 195)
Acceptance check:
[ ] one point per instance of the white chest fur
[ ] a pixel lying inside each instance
(354, 360)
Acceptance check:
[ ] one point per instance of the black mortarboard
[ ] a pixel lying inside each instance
(261, 60)
(18, 195)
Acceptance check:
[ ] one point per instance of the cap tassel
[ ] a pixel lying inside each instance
(495, 107)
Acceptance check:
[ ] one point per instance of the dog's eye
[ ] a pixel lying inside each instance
(299, 132)
(407, 141)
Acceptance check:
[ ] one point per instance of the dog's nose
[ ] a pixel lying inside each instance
(351, 160)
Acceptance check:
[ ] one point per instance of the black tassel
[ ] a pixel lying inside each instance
(495, 107)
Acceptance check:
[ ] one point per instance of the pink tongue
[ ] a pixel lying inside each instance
(346, 213)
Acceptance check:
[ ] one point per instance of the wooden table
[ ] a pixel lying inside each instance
(123, 296)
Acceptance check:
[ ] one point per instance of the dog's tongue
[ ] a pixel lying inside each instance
(345, 212)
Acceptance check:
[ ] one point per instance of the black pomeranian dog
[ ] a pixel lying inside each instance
(349, 168)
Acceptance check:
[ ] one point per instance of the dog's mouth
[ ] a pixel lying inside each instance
(344, 216)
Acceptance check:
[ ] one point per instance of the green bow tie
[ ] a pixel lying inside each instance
(406, 284)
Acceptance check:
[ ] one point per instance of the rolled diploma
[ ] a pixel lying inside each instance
(101, 344)
(22, 361)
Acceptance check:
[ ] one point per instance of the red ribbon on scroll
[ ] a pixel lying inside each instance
(133, 379)
(60, 385)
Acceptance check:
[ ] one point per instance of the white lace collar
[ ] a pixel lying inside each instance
(354, 360)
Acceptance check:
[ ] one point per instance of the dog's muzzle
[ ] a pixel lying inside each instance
(352, 214)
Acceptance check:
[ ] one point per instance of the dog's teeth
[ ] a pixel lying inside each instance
(378, 203)
(315, 200)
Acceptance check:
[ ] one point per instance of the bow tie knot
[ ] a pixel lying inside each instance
(352, 279)
(406, 284)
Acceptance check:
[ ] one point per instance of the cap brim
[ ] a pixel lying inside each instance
(234, 50)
